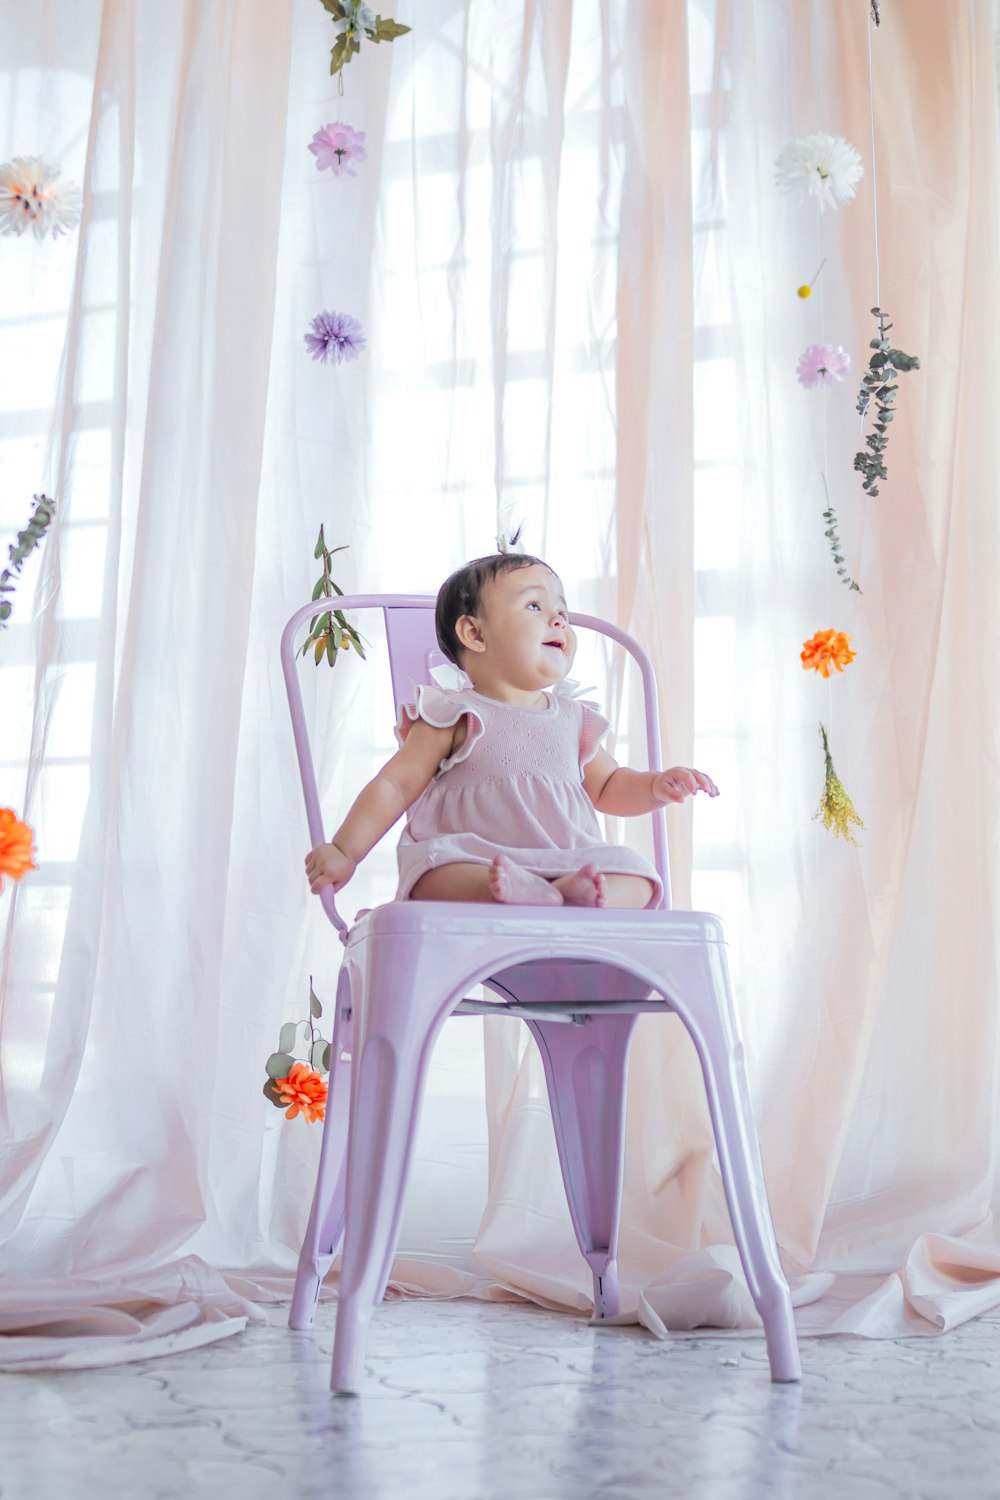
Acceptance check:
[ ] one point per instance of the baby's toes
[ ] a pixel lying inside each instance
(599, 888)
(498, 879)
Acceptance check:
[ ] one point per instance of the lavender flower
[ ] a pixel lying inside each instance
(337, 147)
(335, 337)
(823, 362)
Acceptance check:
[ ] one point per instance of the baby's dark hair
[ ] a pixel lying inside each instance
(462, 594)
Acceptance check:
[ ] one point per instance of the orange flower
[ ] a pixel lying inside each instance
(826, 649)
(16, 846)
(303, 1090)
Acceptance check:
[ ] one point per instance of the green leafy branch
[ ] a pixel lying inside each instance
(836, 544)
(878, 383)
(280, 1063)
(329, 632)
(356, 22)
(27, 541)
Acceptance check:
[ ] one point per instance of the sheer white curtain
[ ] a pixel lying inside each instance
(578, 285)
(135, 360)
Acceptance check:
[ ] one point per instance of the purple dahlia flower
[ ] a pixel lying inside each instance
(335, 337)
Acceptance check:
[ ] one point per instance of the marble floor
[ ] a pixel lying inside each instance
(467, 1401)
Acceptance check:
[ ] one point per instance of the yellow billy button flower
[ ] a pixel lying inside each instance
(806, 290)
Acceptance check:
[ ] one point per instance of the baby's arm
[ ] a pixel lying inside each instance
(396, 787)
(623, 793)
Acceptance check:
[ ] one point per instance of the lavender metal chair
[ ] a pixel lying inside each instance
(578, 978)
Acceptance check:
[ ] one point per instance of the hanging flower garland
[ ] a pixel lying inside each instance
(299, 1085)
(33, 195)
(826, 169)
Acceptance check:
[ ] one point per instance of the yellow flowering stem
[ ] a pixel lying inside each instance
(836, 810)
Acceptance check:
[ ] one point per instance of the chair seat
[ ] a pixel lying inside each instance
(573, 929)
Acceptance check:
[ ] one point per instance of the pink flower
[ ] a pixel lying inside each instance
(823, 362)
(338, 147)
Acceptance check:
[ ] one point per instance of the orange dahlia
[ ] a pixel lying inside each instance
(826, 649)
(305, 1090)
(16, 846)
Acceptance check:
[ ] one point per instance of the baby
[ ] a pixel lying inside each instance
(501, 780)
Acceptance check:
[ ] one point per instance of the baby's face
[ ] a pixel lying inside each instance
(526, 626)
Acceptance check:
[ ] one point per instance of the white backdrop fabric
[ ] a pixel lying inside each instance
(577, 281)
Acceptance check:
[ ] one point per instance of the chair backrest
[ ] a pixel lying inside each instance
(413, 653)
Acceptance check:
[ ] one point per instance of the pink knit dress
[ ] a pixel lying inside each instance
(515, 786)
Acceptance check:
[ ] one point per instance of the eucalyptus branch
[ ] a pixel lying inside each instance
(836, 544)
(27, 541)
(878, 384)
(329, 632)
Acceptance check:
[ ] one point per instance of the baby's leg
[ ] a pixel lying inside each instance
(501, 881)
(454, 883)
(627, 890)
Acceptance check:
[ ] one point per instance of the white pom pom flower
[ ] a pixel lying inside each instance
(820, 166)
(34, 196)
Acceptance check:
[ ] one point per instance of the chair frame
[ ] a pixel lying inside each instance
(584, 1040)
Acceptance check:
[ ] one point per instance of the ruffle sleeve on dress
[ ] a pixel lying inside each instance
(593, 728)
(442, 709)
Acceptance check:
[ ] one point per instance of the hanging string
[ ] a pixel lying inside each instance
(870, 22)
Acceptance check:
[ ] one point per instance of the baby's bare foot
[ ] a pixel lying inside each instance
(585, 888)
(516, 887)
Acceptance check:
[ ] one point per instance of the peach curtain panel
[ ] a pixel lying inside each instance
(577, 280)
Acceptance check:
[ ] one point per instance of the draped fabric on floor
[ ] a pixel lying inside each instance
(577, 282)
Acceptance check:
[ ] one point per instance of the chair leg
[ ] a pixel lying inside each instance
(326, 1216)
(585, 1068)
(390, 1067)
(723, 1064)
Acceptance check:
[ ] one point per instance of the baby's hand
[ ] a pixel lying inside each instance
(680, 782)
(328, 865)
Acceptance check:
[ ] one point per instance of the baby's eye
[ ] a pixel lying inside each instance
(532, 604)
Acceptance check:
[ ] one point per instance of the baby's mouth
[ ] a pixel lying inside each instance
(559, 645)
